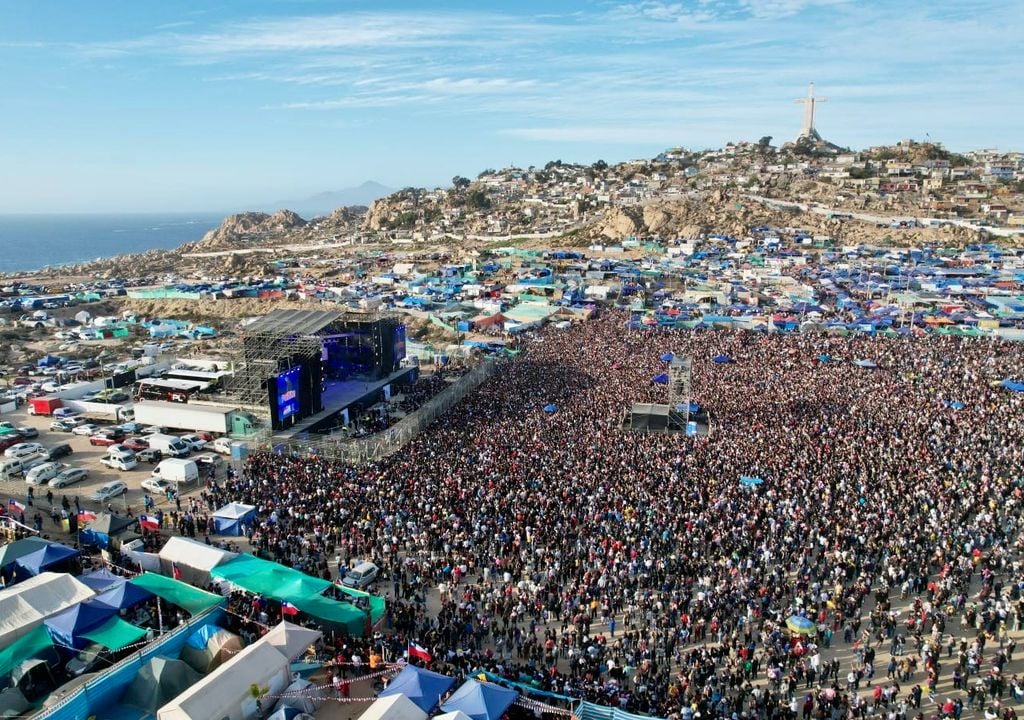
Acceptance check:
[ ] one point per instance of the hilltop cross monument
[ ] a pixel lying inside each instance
(809, 102)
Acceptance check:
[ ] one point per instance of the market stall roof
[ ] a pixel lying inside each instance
(115, 634)
(291, 640)
(191, 599)
(31, 644)
(269, 578)
(423, 687)
(25, 605)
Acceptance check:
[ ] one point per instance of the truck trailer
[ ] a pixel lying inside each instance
(190, 416)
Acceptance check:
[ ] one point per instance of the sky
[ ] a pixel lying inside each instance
(205, 105)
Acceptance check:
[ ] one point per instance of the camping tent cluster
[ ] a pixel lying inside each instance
(31, 556)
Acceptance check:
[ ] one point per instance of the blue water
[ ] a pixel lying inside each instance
(29, 242)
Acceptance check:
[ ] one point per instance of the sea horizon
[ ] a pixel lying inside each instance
(33, 241)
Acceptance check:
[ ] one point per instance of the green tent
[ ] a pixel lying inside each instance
(178, 593)
(377, 603)
(269, 578)
(115, 634)
(24, 648)
(348, 617)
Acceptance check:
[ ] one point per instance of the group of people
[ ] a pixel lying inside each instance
(637, 570)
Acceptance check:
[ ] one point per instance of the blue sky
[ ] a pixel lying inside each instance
(159, 106)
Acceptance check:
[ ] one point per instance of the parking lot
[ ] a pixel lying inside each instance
(88, 457)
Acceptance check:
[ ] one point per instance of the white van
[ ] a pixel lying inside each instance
(177, 471)
(10, 467)
(42, 474)
(120, 460)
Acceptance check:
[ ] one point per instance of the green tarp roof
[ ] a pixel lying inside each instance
(270, 579)
(115, 634)
(377, 603)
(24, 648)
(351, 618)
(185, 596)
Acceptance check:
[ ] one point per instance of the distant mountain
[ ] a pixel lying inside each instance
(326, 202)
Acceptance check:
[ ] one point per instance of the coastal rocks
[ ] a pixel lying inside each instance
(247, 226)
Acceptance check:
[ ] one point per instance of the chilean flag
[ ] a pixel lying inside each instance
(288, 609)
(175, 571)
(15, 505)
(148, 522)
(419, 652)
(85, 516)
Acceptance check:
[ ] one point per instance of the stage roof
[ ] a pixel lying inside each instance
(294, 322)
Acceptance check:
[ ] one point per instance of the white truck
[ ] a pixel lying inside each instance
(169, 444)
(177, 471)
(185, 416)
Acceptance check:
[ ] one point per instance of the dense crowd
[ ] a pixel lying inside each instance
(637, 570)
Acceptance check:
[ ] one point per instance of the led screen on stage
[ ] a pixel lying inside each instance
(288, 393)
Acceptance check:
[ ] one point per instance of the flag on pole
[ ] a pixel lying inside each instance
(148, 522)
(15, 506)
(288, 609)
(85, 516)
(175, 571)
(419, 652)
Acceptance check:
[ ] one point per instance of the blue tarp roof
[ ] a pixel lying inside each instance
(67, 627)
(101, 579)
(481, 701)
(122, 595)
(1013, 385)
(48, 556)
(423, 687)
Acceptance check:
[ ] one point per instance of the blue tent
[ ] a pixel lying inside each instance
(721, 359)
(47, 557)
(423, 687)
(481, 701)
(102, 579)
(550, 408)
(230, 518)
(1013, 385)
(661, 379)
(68, 627)
(122, 595)
(667, 357)
(956, 404)
(824, 358)
(750, 480)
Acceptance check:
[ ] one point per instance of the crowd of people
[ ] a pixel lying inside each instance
(636, 570)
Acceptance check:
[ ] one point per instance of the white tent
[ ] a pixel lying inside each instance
(194, 559)
(393, 707)
(24, 606)
(456, 715)
(224, 694)
(291, 640)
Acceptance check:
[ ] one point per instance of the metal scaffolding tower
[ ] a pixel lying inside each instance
(258, 358)
(680, 378)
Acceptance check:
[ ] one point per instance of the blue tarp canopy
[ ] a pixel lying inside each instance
(1013, 385)
(40, 560)
(721, 359)
(423, 687)
(122, 595)
(667, 357)
(867, 364)
(750, 480)
(550, 408)
(102, 579)
(661, 379)
(956, 404)
(481, 701)
(68, 627)
(824, 358)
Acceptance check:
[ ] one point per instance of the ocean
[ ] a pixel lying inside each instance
(30, 242)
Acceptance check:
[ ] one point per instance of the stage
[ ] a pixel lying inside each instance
(339, 395)
(654, 418)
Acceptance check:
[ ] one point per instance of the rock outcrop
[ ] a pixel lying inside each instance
(245, 227)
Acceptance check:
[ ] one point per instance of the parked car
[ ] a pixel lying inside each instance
(362, 575)
(149, 455)
(135, 443)
(208, 460)
(156, 485)
(222, 446)
(62, 426)
(23, 450)
(102, 439)
(153, 430)
(87, 429)
(64, 413)
(69, 477)
(42, 474)
(28, 432)
(59, 450)
(198, 442)
(130, 427)
(93, 657)
(109, 491)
